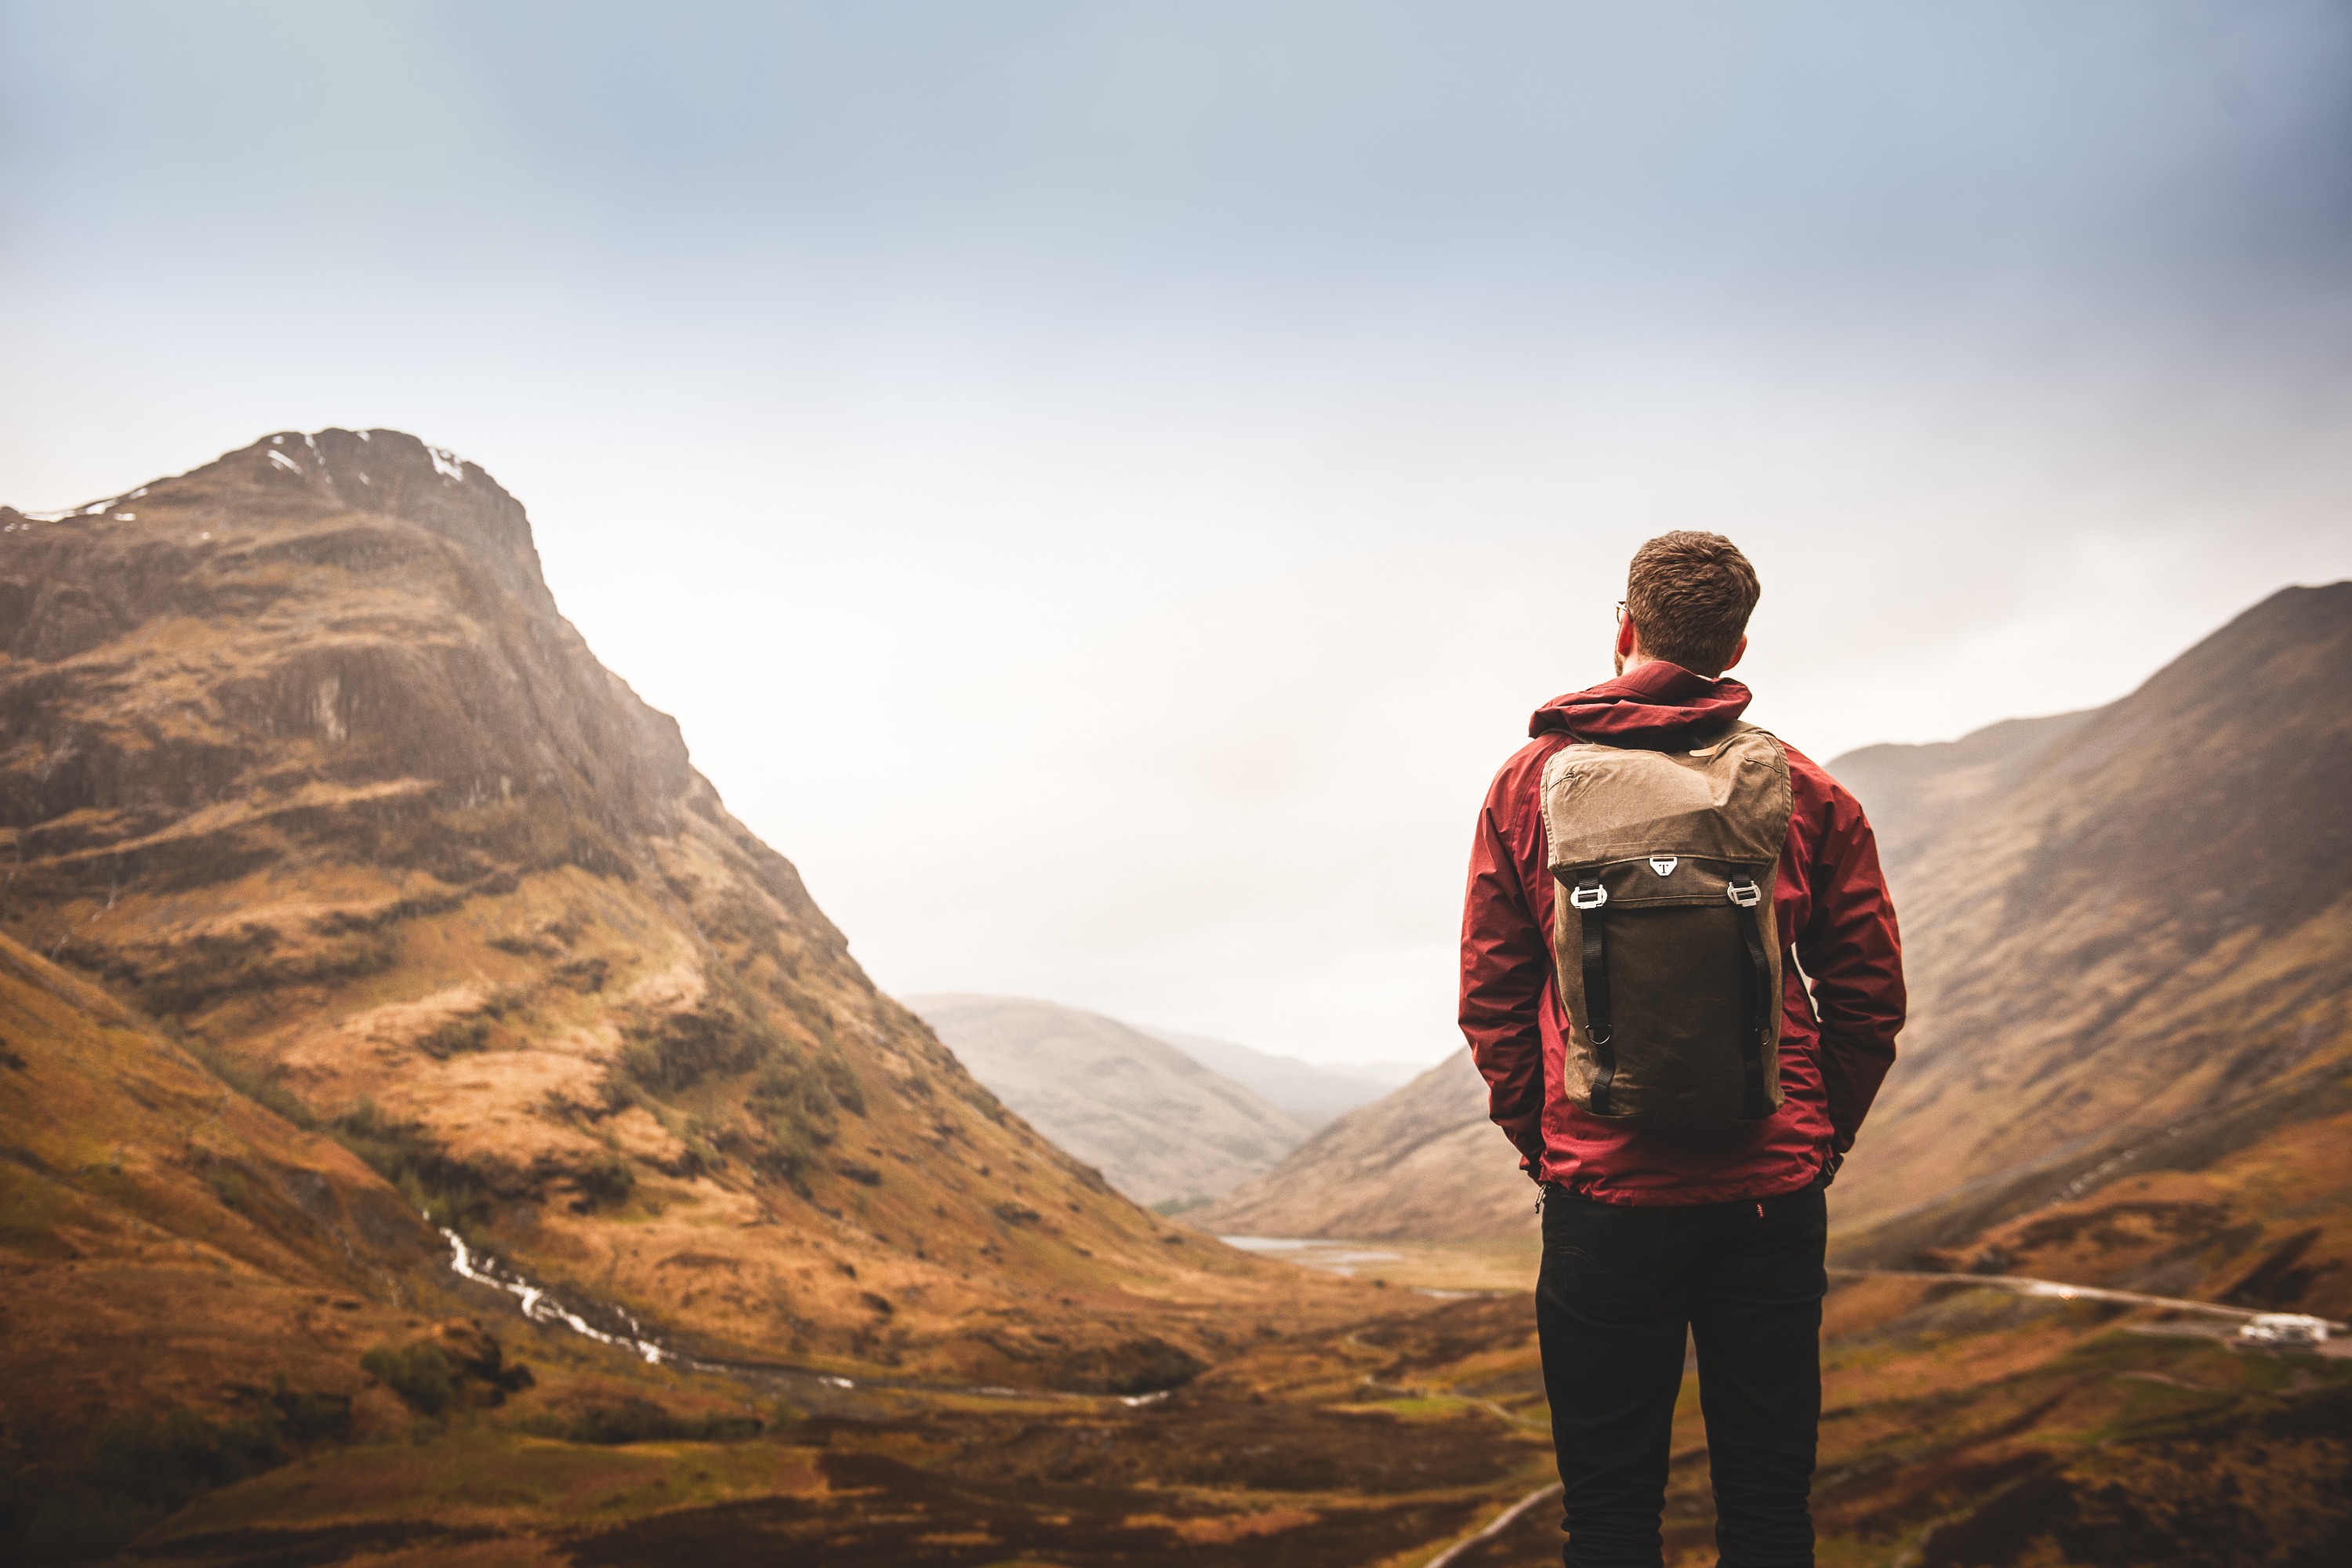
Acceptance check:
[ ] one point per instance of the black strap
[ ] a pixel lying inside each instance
(1598, 1027)
(1761, 1001)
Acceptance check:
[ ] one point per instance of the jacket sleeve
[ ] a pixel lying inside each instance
(1853, 955)
(1506, 962)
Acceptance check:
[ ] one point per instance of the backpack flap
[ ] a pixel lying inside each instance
(1666, 949)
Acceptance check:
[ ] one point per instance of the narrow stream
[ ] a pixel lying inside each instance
(541, 1307)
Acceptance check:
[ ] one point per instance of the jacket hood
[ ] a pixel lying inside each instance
(1652, 705)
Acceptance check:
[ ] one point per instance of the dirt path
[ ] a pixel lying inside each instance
(2053, 1289)
(1501, 1522)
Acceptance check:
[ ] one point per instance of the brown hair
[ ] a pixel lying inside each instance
(1689, 595)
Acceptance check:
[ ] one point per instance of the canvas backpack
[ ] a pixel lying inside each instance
(1667, 954)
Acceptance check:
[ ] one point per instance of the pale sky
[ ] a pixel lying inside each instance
(1102, 486)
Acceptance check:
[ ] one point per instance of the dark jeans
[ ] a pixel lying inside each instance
(1618, 1288)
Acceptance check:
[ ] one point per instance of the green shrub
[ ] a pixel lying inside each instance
(460, 1366)
(263, 1090)
(419, 1374)
(608, 1183)
(227, 1184)
(507, 1000)
(718, 1035)
(303, 1419)
(167, 1461)
(586, 975)
(642, 1421)
(449, 1192)
(841, 1081)
(455, 1037)
(132, 1472)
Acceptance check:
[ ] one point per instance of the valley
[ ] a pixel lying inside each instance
(1423, 1163)
(356, 920)
(1162, 1128)
(315, 810)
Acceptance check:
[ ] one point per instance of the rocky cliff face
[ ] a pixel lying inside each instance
(298, 758)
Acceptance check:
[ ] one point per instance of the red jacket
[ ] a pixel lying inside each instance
(1830, 897)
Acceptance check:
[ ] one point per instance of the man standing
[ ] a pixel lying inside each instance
(1644, 867)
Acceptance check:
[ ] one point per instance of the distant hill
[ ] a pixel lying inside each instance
(1423, 1162)
(2120, 926)
(1160, 1126)
(1309, 1094)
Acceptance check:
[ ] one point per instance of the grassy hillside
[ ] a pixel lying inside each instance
(301, 761)
(2146, 925)
(351, 905)
(229, 1338)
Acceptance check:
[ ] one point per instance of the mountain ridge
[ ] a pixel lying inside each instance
(2149, 921)
(1161, 1126)
(334, 791)
(1423, 1163)
(2090, 1002)
(1310, 1093)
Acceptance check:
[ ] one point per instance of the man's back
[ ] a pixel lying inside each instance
(1831, 904)
(1658, 1234)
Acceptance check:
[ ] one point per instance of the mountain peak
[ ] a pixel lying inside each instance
(288, 483)
(393, 474)
(303, 763)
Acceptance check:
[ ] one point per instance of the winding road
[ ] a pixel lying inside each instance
(2055, 1290)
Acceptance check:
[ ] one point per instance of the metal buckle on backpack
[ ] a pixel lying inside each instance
(1589, 897)
(1745, 893)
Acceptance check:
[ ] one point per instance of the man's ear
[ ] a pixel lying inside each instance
(1629, 640)
(1736, 652)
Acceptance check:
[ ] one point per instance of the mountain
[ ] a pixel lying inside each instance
(301, 766)
(1914, 793)
(2129, 941)
(230, 1342)
(1309, 1094)
(346, 902)
(1423, 1163)
(1390, 1072)
(2129, 936)
(2127, 930)
(1159, 1125)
